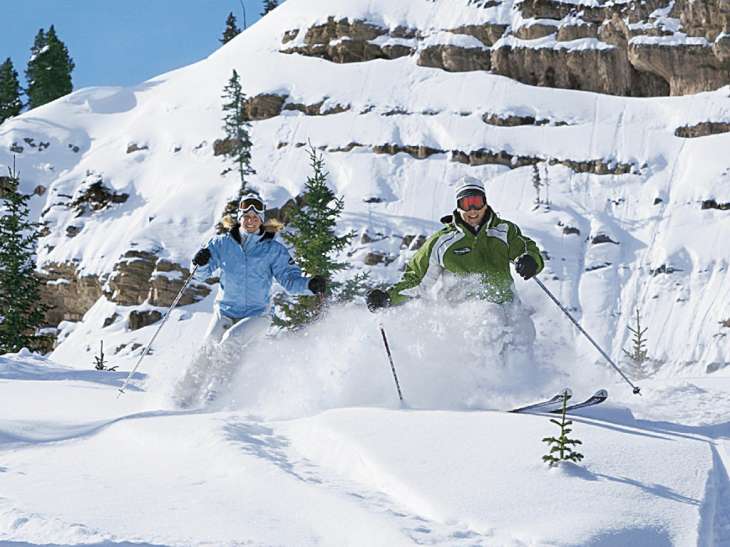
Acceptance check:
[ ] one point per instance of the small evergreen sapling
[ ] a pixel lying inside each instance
(539, 181)
(236, 127)
(639, 353)
(536, 184)
(99, 361)
(561, 448)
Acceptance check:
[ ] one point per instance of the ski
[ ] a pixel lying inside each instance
(597, 398)
(555, 399)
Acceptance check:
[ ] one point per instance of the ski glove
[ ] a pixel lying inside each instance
(202, 257)
(526, 266)
(377, 299)
(318, 284)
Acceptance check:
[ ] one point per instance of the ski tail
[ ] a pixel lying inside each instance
(556, 399)
(596, 399)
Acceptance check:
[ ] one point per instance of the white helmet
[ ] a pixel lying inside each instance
(469, 186)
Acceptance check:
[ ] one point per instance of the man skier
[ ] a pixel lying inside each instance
(470, 259)
(473, 252)
(248, 258)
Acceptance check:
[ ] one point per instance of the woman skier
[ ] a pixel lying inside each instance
(249, 258)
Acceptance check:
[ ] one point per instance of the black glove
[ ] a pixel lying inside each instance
(202, 257)
(526, 266)
(378, 299)
(318, 284)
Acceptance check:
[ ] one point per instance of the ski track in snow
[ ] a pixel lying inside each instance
(254, 438)
(263, 441)
(716, 512)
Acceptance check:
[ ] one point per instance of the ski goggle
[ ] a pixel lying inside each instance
(252, 204)
(467, 203)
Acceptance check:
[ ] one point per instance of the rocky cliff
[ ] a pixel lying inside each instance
(643, 48)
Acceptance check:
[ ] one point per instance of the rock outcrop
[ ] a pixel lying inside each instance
(419, 152)
(487, 33)
(166, 281)
(128, 283)
(702, 129)
(515, 120)
(264, 106)
(628, 48)
(68, 293)
(486, 156)
(713, 204)
(269, 105)
(317, 109)
(345, 41)
(600, 70)
(141, 277)
(138, 319)
(138, 278)
(93, 195)
(453, 58)
(688, 68)
(136, 147)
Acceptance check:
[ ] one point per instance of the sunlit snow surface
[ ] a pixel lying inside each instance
(309, 445)
(317, 451)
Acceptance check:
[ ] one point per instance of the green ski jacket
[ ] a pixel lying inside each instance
(480, 262)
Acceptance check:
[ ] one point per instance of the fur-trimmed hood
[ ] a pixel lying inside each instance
(268, 229)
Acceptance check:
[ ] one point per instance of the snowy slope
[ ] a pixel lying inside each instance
(176, 192)
(129, 472)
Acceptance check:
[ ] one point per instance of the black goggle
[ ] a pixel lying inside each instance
(252, 204)
(473, 202)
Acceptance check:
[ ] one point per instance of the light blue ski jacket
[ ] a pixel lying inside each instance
(248, 263)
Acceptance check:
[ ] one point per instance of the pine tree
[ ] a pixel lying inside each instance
(39, 42)
(312, 235)
(536, 184)
(236, 127)
(100, 362)
(639, 353)
(20, 311)
(268, 6)
(231, 30)
(561, 447)
(49, 69)
(10, 103)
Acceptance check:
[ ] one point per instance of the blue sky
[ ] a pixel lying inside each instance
(120, 42)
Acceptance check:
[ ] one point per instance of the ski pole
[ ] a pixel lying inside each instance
(162, 324)
(390, 358)
(637, 390)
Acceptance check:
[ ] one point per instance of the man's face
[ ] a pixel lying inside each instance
(250, 222)
(471, 214)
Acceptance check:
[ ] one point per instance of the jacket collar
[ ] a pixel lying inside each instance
(236, 234)
(264, 234)
(455, 220)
